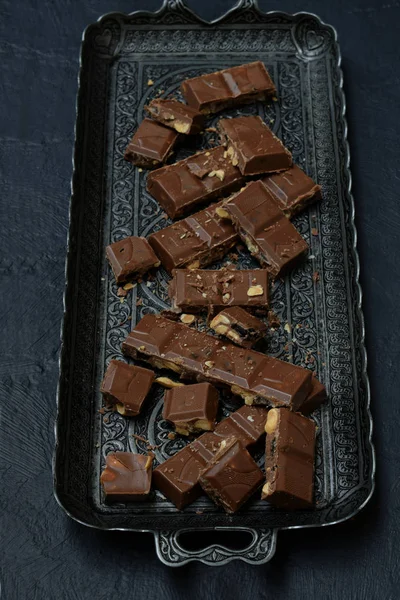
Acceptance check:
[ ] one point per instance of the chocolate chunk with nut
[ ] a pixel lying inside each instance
(130, 258)
(238, 85)
(238, 325)
(232, 476)
(191, 408)
(252, 147)
(289, 460)
(176, 115)
(126, 477)
(151, 145)
(126, 387)
(265, 230)
(194, 290)
(198, 179)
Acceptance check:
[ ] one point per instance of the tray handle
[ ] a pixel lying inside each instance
(173, 554)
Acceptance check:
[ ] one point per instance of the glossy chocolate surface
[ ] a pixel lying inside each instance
(131, 257)
(194, 290)
(268, 234)
(289, 460)
(151, 145)
(198, 179)
(258, 378)
(126, 386)
(195, 241)
(252, 146)
(126, 477)
(292, 189)
(191, 408)
(176, 115)
(232, 476)
(212, 92)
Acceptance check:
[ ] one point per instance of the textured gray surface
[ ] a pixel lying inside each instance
(45, 555)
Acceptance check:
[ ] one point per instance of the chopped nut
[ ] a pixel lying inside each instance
(168, 383)
(250, 418)
(150, 82)
(255, 290)
(266, 489)
(122, 300)
(226, 297)
(220, 319)
(121, 409)
(187, 319)
(233, 336)
(171, 435)
(194, 265)
(314, 231)
(181, 127)
(142, 348)
(207, 153)
(272, 420)
(140, 170)
(209, 364)
(221, 212)
(315, 276)
(129, 286)
(148, 464)
(288, 328)
(221, 329)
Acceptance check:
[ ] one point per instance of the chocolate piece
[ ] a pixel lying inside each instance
(191, 408)
(315, 398)
(196, 241)
(126, 387)
(230, 87)
(131, 257)
(194, 290)
(126, 477)
(180, 187)
(151, 145)
(289, 460)
(252, 146)
(176, 115)
(293, 190)
(265, 230)
(257, 378)
(178, 477)
(231, 477)
(239, 326)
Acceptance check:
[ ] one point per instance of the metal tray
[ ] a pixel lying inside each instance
(119, 55)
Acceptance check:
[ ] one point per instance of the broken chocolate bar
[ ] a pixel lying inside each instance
(176, 115)
(178, 477)
(207, 175)
(195, 290)
(265, 230)
(232, 476)
(130, 258)
(293, 190)
(251, 145)
(191, 408)
(315, 398)
(126, 387)
(213, 92)
(239, 326)
(257, 378)
(195, 241)
(126, 477)
(151, 145)
(289, 460)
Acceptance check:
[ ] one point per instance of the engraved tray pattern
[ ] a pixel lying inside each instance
(119, 55)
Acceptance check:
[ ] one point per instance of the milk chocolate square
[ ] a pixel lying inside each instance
(131, 257)
(151, 145)
(191, 408)
(126, 387)
(126, 477)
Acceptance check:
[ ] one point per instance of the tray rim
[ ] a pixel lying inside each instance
(241, 4)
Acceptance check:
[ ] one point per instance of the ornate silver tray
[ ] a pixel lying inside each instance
(321, 299)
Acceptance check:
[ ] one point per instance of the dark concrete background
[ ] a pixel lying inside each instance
(45, 555)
